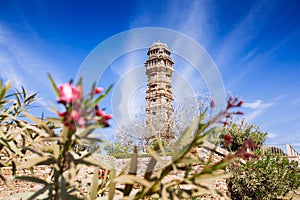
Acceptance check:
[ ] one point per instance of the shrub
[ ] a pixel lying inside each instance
(233, 134)
(269, 177)
(14, 134)
(116, 149)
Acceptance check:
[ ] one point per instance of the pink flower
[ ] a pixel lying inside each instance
(81, 121)
(98, 90)
(75, 115)
(69, 93)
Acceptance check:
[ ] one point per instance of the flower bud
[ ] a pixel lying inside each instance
(100, 113)
(107, 117)
(98, 90)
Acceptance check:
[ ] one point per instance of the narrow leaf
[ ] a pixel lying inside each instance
(34, 161)
(133, 171)
(131, 179)
(94, 185)
(103, 95)
(79, 82)
(31, 179)
(39, 122)
(112, 185)
(24, 92)
(150, 168)
(54, 86)
(40, 192)
(155, 155)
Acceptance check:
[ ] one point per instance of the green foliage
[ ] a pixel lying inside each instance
(269, 177)
(240, 131)
(15, 136)
(155, 145)
(116, 149)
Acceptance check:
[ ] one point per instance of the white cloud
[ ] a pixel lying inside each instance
(272, 135)
(23, 64)
(258, 106)
(190, 18)
(8, 72)
(296, 144)
(258, 103)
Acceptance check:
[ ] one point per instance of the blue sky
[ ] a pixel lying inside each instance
(255, 45)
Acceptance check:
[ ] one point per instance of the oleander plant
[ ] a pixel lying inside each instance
(63, 140)
(268, 175)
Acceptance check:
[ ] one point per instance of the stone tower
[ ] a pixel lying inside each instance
(159, 100)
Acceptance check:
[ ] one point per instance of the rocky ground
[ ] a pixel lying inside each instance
(18, 187)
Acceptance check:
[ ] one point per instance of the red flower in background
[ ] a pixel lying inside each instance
(228, 138)
(104, 117)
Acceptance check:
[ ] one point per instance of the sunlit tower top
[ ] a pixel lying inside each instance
(159, 100)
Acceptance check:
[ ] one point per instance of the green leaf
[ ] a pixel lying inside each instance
(18, 99)
(164, 194)
(103, 95)
(112, 185)
(132, 170)
(133, 162)
(79, 82)
(30, 99)
(90, 161)
(24, 92)
(5, 89)
(150, 168)
(14, 148)
(63, 191)
(55, 148)
(54, 86)
(94, 185)
(184, 141)
(40, 192)
(36, 161)
(156, 156)
(39, 122)
(88, 130)
(31, 179)
(132, 179)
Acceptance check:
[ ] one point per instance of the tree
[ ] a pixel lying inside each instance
(116, 149)
(138, 133)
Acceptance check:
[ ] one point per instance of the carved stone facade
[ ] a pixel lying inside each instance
(159, 99)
